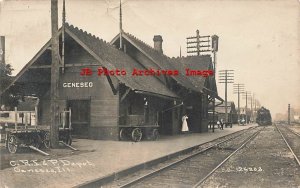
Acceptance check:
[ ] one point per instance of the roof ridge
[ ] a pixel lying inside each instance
(88, 34)
(190, 56)
(150, 47)
(139, 40)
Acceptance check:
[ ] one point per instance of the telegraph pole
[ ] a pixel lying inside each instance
(289, 114)
(254, 110)
(251, 118)
(226, 77)
(238, 89)
(197, 44)
(120, 27)
(63, 37)
(54, 114)
(246, 95)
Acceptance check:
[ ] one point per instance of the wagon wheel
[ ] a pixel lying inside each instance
(12, 145)
(136, 134)
(155, 134)
(122, 134)
(46, 140)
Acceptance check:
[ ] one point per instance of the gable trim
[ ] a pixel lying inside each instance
(26, 67)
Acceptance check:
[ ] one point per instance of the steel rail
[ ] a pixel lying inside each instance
(288, 145)
(228, 157)
(292, 131)
(141, 178)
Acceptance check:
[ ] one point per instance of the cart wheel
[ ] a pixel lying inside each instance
(12, 144)
(155, 134)
(136, 134)
(46, 140)
(122, 134)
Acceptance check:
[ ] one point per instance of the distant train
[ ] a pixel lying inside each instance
(263, 117)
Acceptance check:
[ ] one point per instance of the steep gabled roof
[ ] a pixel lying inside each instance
(194, 63)
(161, 60)
(111, 58)
(195, 83)
(203, 62)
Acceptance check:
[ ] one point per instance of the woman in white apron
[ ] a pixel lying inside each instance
(184, 127)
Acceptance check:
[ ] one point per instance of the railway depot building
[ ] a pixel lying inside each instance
(232, 114)
(102, 104)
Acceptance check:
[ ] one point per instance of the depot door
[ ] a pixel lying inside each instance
(80, 117)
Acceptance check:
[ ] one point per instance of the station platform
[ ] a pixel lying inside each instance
(98, 159)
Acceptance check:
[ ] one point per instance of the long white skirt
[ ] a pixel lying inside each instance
(184, 126)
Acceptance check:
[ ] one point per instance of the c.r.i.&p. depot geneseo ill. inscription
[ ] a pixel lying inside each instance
(47, 166)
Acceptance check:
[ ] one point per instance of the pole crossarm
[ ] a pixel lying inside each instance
(238, 88)
(226, 77)
(246, 95)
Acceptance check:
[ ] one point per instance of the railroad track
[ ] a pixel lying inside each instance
(291, 139)
(193, 169)
(293, 131)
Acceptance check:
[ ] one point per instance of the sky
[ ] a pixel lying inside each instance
(258, 39)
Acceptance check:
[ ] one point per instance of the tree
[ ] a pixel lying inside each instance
(7, 98)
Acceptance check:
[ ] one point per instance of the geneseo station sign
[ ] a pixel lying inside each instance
(77, 84)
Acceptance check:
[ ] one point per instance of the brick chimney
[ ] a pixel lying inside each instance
(157, 39)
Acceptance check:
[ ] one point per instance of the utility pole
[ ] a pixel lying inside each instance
(63, 37)
(54, 114)
(121, 29)
(246, 95)
(254, 110)
(289, 114)
(238, 89)
(197, 44)
(226, 77)
(251, 117)
(255, 103)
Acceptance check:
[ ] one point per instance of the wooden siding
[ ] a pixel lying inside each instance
(104, 113)
(104, 104)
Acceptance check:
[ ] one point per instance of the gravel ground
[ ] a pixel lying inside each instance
(28, 155)
(264, 162)
(187, 173)
(101, 158)
(292, 139)
(295, 128)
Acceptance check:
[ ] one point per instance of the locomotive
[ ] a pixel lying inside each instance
(263, 117)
